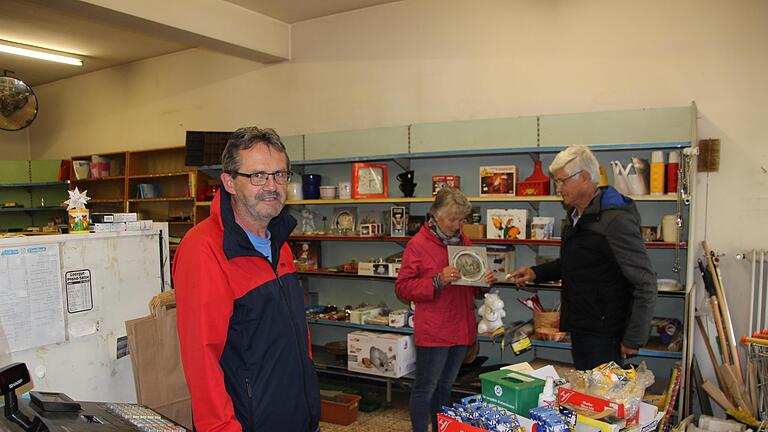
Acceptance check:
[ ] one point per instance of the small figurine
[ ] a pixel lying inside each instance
(308, 221)
(492, 311)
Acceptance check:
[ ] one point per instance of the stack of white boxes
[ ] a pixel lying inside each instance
(116, 222)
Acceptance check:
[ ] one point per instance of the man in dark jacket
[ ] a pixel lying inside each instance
(609, 286)
(240, 311)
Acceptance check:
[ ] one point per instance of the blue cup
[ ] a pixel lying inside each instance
(310, 186)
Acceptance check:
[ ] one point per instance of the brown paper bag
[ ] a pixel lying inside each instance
(157, 370)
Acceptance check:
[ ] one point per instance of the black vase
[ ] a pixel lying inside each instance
(408, 189)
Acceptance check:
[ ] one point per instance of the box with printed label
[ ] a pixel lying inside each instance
(500, 263)
(384, 354)
(512, 390)
(125, 217)
(359, 315)
(506, 224)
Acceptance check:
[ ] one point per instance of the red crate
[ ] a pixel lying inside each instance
(342, 413)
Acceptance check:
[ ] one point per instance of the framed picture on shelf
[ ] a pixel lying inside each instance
(344, 220)
(306, 255)
(500, 180)
(441, 181)
(369, 180)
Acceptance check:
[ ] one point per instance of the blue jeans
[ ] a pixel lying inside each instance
(436, 370)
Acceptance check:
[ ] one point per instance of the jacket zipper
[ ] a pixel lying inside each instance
(250, 402)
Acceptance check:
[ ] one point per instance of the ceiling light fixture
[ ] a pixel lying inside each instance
(39, 53)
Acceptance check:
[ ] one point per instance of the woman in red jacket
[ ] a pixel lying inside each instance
(444, 321)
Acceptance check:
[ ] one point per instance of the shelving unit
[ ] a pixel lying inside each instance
(461, 147)
(33, 186)
(135, 174)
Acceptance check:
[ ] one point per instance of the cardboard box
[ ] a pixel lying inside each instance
(440, 181)
(512, 390)
(589, 402)
(474, 231)
(142, 225)
(541, 227)
(500, 180)
(398, 318)
(383, 354)
(359, 315)
(125, 217)
(506, 224)
(500, 263)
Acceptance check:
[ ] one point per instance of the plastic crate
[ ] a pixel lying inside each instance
(341, 413)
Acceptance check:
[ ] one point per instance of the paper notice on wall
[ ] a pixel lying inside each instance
(31, 308)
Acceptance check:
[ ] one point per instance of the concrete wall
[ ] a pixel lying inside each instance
(440, 60)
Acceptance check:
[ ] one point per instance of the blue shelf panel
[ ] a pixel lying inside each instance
(482, 338)
(643, 352)
(481, 152)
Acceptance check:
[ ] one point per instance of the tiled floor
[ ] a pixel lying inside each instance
(393, 419)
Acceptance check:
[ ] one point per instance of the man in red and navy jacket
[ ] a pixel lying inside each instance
(240, 311)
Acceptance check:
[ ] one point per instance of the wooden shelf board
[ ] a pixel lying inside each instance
(172, 174)
(98, 179)
(105, 200)
(140, 200)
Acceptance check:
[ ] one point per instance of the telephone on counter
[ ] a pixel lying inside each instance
(57, 412)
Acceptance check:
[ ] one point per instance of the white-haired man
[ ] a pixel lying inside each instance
(609, 286)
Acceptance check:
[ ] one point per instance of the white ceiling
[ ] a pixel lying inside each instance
(292, 11)
(60, 25)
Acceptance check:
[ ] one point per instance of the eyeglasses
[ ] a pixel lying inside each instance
(260, 178)
(560, 182)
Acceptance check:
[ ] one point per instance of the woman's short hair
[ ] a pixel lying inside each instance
(450, 200)
(577, 158)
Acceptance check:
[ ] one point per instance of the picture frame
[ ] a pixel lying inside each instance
(369, 180)
(398, 221)
(498, 180)
(306, 255)
(441, 181)
(344, 220)
(472, 262)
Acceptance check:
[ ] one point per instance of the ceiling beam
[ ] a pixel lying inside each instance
(213, 24)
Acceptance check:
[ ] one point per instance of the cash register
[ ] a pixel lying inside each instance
(57, 412)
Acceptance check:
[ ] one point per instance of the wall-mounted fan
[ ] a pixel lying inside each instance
(18, 104)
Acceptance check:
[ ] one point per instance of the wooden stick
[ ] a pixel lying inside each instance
(726, 314)
(718, 396)
(710, 351)
(720, 332)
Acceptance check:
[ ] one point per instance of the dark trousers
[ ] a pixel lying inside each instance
(590, 350)
(436, 371)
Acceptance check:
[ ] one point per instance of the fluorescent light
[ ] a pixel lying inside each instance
(38, 53)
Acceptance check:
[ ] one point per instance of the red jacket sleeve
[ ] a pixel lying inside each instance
(413, 282)
(204, 306)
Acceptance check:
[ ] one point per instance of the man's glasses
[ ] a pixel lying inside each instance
(260, 178)
(560, 182)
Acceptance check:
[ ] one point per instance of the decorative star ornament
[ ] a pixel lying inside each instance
(77, 199)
